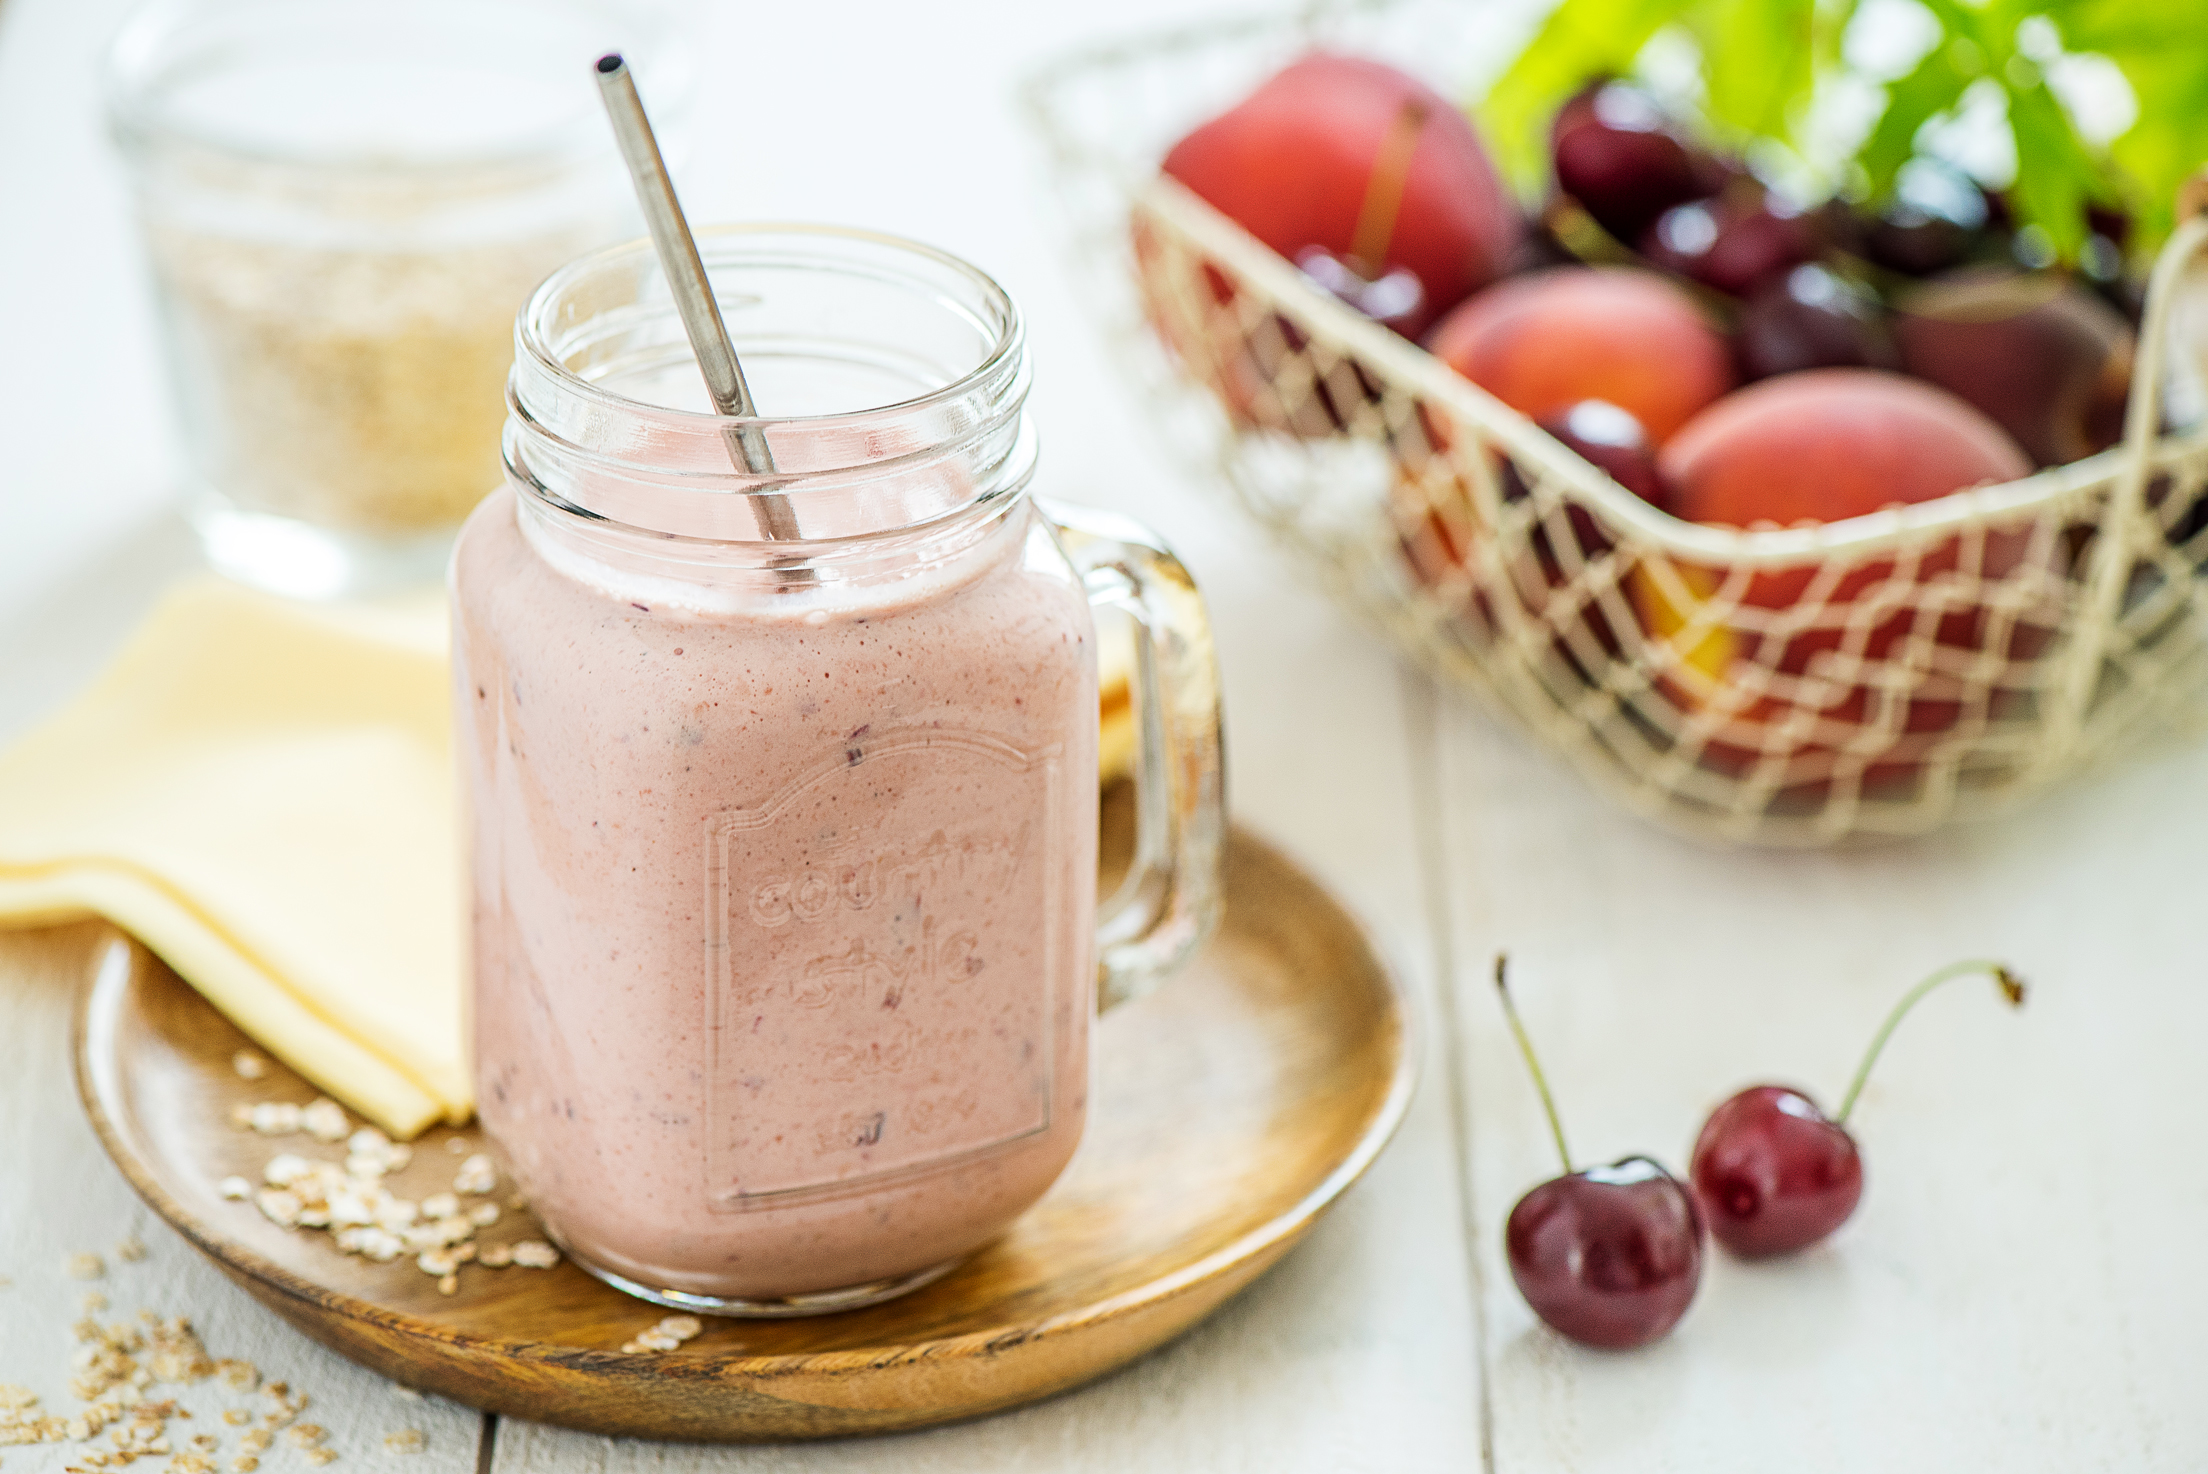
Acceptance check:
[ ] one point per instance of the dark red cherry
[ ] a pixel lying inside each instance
(2110, 221)
(1614, 442)
(1774, 1172)
(1916, 245)
(1812, 318)
(1609, 1256)
(1612, 439)
(1936, 218)
(1395, 299)
(2101, 258)
(1622, 158)
(1733, 244)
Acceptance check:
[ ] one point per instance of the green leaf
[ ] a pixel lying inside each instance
(1764, 60)
(2168, 73)
(2168, 143)
(2054, 174)
(1581, 39)
(1934, 86)
(1971, 23)
(2112, 27)
(1756, 61)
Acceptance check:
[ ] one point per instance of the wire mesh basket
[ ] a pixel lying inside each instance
(1797, 686)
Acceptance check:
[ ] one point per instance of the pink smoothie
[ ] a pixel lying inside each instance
(783, 904)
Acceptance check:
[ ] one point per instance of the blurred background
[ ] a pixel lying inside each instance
(2010, 1294)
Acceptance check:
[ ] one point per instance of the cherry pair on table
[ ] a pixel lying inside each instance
(1611, 1256)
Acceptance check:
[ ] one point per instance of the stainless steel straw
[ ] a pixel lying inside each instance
(693, 292)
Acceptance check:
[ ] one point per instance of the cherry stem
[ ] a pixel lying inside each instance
(1391, 173)
(1525, 1047)
(2012, 989)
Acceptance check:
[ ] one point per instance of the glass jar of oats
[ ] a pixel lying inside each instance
(345, 202)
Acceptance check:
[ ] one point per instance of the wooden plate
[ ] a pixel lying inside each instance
(1229, 1110)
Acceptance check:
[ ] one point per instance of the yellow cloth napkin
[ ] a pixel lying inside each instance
(262, 793)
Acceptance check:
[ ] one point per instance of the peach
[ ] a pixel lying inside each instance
(1816, 447)
(1294, 163)
(1828, 444)
(1551, 339)
(1374, 186)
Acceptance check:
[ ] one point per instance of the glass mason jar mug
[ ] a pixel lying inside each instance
(783, 786)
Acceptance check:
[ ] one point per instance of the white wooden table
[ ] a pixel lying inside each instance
(2021, 1291)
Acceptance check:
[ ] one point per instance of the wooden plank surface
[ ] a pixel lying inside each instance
(2017, 1290)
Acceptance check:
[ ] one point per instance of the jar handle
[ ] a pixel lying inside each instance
(1172, 896)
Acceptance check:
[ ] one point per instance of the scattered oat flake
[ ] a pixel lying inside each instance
(244, 1464)
(84, 1266)
(306, 1435)
(363, 1216)
(476, 1175)
(174, 1354)
(406, 1441)
(206, 1442)
(325, 1120)
(286, 1168)
(249, 1066)
(320, 1456)
(274, 1118)
(279, 1207)
(130, 1250)
(94, 1302)
(255, 1440)
(669, 1334)
(236, 1417)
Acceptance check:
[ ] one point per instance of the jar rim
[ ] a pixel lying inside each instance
(959, 437)
(534, 331)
